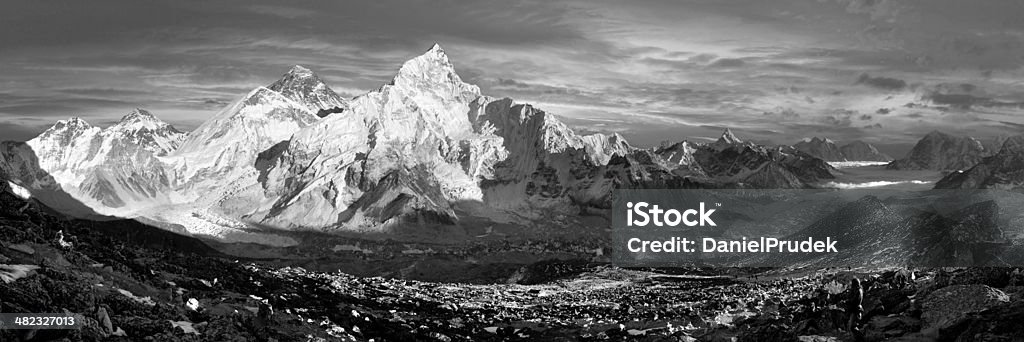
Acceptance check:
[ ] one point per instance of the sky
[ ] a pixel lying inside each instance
(882, 71)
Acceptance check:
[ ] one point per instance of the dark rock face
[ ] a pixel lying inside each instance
(731, 163)
(405, 194)
(946, 306)
(822, 148)
(828, 150)
(1001, 322)
(757, 166)
(1004, 170)
(862, 151)
(968, 237)
(21, 164)
(4, 187)
(941, 151)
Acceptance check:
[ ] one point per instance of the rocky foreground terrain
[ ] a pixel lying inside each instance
(134, 282)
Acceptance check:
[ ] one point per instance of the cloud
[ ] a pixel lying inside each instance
(104, 92)
(966, 101)
(885, 83)
(714, 63)
(13, 131)
(728, 63)
(836, 120)
(785, 113)
(877, 10)
(59, 107)
(505, 82)
(964, 96)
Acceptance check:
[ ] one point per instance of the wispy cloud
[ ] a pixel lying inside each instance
(654, 69)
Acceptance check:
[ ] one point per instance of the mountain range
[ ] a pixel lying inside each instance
(425, 148)
(827, 150)
(1003, 170)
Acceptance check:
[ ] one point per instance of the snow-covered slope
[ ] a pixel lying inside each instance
(112, 169)
(225, 147)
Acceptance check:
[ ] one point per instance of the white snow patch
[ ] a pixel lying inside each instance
(19, 191)
(351, 248)
(141, 300)
(874, 184)
(417, 251)
(192, 304)
(849, 164)
(185, 327)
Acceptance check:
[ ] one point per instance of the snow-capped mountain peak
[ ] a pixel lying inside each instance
(141, 128)
(75, 121)
(303, 86)
(141, 120)
(224, 148)
(74, 124)
(264, 116)
(300, 71)
(824, 140)
(435, 55)
(430, 70)
(138, 114)
(729, 138)
(62, 134)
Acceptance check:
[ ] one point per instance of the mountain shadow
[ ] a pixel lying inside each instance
(21, 165)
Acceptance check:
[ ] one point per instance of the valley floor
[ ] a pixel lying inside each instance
(171, 288)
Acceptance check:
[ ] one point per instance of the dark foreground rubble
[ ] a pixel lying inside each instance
(132, 282)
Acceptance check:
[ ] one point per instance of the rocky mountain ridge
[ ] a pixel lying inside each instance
(1003, 170)
(828, 150)
(942, 151)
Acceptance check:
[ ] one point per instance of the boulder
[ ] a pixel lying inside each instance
(106, 326)
(946, 306)
(22, 248)
(10, 273)
(1002, 323)
(888, 327)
